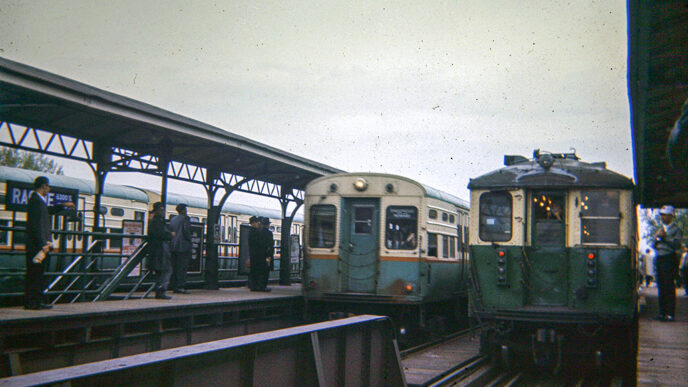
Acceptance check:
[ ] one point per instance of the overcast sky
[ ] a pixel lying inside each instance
(437, 91)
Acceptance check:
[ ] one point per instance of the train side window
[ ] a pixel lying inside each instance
(139, 215)
(432, 244)
(445, 246)
(459, 238)
(402, 228)
(116, 243)
(452, 247)
(445, 216)
(495, 216)
(432, 214)
(600, 217)
(116, 211)
(452, 219)
(321, 230)
(4, 235)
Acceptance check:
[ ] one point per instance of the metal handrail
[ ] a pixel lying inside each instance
(121, 272)
(71, 265)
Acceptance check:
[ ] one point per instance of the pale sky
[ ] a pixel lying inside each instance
(437, 91)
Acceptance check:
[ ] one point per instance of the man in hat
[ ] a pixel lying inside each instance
(268, 241)
(256, 253)
(667, 242)
(158, 253)
(180, 247)
(38, 239)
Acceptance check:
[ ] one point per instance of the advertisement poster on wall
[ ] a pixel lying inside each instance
(130, 244)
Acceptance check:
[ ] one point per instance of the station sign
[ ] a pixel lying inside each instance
(196, 247)
(17, 196)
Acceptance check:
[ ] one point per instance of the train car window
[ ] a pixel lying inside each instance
(432, 244)
(19, 238)
(363, 219)
(452, 219)
(321, 230)
(116, 211)
(402, 228)
(495, 216)
(452, 247)
(139, 215)
(600, 217)
(459, 237)
(4, 235)
(445, 216)
(116, 243)
(445, 246)
(195, 219)
(548, 214)
(432, 214)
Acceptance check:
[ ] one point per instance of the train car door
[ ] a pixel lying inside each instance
(358, 251)
(548, 268)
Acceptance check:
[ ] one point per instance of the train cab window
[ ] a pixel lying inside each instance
(363, 219)
(495, 216)
(139, 215)
(600, 217)
(432, 244)
(548, 216)
(116, 211)
(321, 230)
(402, 228)
(432, 214)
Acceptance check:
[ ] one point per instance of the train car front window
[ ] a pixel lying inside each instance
(322, 225)
(495, 216)
(402, 227)
(548, 215)
(600, 217)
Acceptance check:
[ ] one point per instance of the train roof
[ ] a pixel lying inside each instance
(429, 191)
(235, 208)
(83, 185)
(550, 170)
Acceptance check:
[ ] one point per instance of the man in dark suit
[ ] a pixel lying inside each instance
(38, 239)
(257, 255)
(158, 251)
(181, 249)
(268, 241)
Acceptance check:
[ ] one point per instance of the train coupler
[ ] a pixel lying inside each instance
(546, 348)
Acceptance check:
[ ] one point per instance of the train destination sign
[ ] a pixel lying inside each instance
(17, 195)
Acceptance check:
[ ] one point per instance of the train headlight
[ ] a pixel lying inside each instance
(360, 184)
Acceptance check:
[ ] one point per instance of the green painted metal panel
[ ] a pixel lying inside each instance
(547, 276)
(510, 295)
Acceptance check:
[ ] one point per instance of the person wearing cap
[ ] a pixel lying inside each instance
(38, 239)
(180, 247)
(667, 242)
(257, 255)
(268, 241)
(158, 256)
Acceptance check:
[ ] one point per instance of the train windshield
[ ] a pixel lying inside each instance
(600, 217)
(322, 225)
(402, 227)
(495, 216)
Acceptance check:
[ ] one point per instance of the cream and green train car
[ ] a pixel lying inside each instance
(385, 244)
(553, 258)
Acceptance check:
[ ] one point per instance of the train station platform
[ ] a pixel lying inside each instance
(71, 334)
(663, 346)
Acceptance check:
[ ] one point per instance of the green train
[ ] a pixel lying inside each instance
(384, 244)
(553, 262)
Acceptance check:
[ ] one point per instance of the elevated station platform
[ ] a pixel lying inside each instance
(71, 334)
(663, 346)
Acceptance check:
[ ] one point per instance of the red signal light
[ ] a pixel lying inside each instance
(501, 253)
(591, 256)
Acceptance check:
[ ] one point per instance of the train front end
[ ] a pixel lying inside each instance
(554, 266)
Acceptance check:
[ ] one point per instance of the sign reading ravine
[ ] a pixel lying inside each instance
(17, 195)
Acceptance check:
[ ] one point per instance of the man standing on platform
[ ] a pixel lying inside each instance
(180, 226)
(38, 241)
(268, 241)
(667, 243)
(158, 253)
(256, 254)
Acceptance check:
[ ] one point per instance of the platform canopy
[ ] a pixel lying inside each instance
(62, 117)
(658, 86)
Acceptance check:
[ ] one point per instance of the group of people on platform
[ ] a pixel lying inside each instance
(261, 247)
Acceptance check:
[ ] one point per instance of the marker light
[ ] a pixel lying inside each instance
(409, 288)
(591, 256)
(360, 184)
(501, 253)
